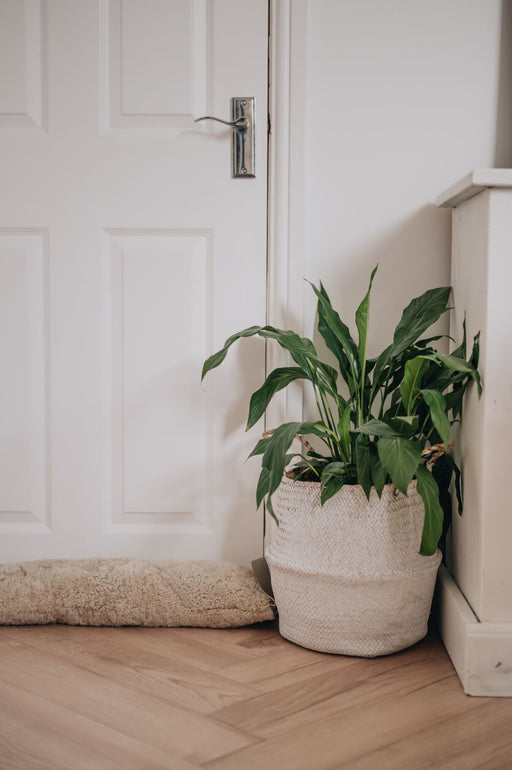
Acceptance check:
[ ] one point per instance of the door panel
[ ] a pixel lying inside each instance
(128, 254)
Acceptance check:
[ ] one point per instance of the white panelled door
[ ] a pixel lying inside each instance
(127, 255)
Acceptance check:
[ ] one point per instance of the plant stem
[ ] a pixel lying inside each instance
(324, 420)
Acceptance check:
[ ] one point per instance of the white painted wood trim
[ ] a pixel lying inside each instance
(286, 241)
(472, 184)
(480, 652)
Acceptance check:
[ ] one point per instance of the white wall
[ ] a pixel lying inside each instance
(401, 99)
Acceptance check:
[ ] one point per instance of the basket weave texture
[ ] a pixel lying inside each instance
(347, 576)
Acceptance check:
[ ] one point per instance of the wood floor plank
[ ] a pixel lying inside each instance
(323, 671)
(258, 640)
(478, 739)
(183, 699)
(353, 728)
(148, 718)
(182, 645)
(126, 663)
(296, 706)
(282, 659)
(36, 734)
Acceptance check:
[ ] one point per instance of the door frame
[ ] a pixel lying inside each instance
(286, 245)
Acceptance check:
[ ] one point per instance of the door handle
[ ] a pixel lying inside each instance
(238, 123)
(243, 137)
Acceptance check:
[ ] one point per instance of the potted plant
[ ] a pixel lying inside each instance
(360, 514)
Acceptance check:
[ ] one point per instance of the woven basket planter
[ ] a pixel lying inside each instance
(347, 576)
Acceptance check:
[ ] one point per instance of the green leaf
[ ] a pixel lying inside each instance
(363, 467)
(400, 458)
(379, 475)
(475, 352)
(275, 455)
(334, 476)
(405, 426)
(415, 368)
(458, 487)
(458, 365)
(433, 524)
(437, 406)
(271, 510)
(217, 358)
(454, 401)
(263, 484)
(419, 314)
(362, 317)
(460, 352)
(379, 374)
(377, 428)
(277, 380)
(334, 346)
(442, 473)
(301, 349)
(260, 447)
(344, 431)
(422, 344)
(333, 326)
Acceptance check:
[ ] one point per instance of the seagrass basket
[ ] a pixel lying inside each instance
(347, 576)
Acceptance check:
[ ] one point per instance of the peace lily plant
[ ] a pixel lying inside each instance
(383, 420)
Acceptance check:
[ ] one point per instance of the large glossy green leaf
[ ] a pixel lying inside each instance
(263, 485)
(363, 466)
(276, 380)
(457, 485)
(381, 368)
(270, 509)
(333, 344)
(449, 368)
(442, 473)
(344, 431)
(400, 458)
(337, 328)
(458, 365)
(377, 428)
(300, 348)
(454, 401)
(260, 447)
(437, 406)
(475, 352)
(419, 314)
(217, 358)
(415, 368)
(405, 426)
(334, 476)
(379, 476)
(275, 455)
(433, 524)
(362, 317)
(460, 351)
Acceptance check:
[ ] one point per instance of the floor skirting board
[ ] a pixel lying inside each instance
(480, 652)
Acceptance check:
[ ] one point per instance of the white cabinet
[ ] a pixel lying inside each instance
(476, 592)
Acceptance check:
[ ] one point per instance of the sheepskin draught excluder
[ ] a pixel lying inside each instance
(131, 592)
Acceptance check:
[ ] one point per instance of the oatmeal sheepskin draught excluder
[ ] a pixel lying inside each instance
(131, 592)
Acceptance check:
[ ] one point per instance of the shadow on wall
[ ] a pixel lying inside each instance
(503, 146)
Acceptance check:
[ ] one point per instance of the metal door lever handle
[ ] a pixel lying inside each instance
(242, 135)
(238, 123)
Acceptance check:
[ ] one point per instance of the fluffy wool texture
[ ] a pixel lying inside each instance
(131, 592)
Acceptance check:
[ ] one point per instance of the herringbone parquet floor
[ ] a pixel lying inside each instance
(239, 699)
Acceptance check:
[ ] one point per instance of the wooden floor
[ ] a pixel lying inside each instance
(240, 699)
